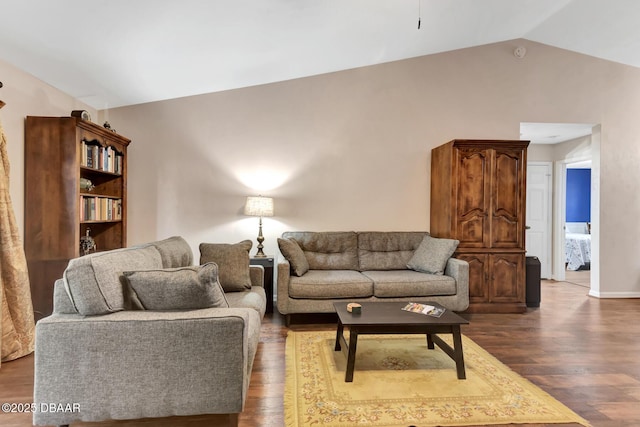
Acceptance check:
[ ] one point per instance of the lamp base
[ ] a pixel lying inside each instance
(260, 253)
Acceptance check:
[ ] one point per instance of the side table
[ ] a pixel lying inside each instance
(268, 263)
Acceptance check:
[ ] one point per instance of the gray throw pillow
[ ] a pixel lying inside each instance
(93, 281)
(432, 255)
(182, 288)
(233, 263)
(294, 254)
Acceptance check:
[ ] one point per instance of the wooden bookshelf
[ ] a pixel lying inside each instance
(55, 204)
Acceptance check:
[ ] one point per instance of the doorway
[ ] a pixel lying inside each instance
(561, 145)
(578, 222)
(564, 230)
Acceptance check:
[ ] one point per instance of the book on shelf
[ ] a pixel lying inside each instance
(87, 154)
(429, 310)
(96, 208)
(83, 153)
(100, 158)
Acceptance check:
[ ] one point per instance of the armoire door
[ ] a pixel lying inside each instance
(473, 197)
(506, 283)
(507, 204)
(478, 276)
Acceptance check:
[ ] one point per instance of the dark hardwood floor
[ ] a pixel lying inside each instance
(581, 350)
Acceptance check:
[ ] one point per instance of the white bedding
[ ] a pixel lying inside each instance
(577, 250)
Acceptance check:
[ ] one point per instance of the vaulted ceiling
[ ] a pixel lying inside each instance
(111, 53)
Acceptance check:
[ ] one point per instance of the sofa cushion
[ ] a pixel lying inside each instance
(233, 263)
(175, 252)
(323, 284)
(409, 283)
(292, 252)
(432, 255)
(181, 288)
(93, 281)
(256, 299)
(327, 250)
(387, 250)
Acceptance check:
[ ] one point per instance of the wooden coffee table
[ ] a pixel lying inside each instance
(389, 318)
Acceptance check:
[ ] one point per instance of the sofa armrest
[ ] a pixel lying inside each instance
(284, 274)
(256, 273)
(459, 270)
(139, 364)
(61, 301)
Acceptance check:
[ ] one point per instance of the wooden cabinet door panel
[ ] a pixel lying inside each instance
(472, 198)
(506, 211)
(478, 275)
(506, 276)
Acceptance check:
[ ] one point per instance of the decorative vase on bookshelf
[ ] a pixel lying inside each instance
(75, 179)
(87, 244)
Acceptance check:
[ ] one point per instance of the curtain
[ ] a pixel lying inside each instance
(17, 330)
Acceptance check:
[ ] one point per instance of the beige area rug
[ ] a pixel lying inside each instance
(399, 382)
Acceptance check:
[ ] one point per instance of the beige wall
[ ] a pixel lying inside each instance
(540, 153)
(27, 96)
(351, 150)
(575, 150)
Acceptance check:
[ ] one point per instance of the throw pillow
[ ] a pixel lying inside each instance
(182, 288)
(93, 281)
(432, 255)
(233, 263)
(294, 254)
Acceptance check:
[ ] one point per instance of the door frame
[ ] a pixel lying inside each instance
(559, 217)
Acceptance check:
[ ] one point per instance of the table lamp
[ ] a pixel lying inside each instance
(259, 206)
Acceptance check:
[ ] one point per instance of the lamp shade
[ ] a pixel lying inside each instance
(258, 206)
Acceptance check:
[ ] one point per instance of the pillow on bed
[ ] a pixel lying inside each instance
(576, 227)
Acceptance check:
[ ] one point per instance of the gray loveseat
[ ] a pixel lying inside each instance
(362, 266)
(97, 359)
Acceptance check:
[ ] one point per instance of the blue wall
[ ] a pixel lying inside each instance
(578, 195)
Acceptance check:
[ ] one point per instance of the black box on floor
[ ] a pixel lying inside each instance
(533, 281)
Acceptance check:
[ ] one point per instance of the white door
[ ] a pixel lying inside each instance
(538, 234)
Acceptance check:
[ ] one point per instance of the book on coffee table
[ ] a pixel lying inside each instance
(429, 310)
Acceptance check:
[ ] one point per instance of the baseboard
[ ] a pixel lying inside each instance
(596, 294)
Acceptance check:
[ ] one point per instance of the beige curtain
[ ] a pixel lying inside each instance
(17, 330)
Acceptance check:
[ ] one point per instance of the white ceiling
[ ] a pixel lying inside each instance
(111, 53)
(553, 133)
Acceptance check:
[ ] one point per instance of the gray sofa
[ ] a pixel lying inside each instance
(362, 266)
(97, 358)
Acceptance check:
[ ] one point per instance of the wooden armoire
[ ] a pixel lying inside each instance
(478, 191)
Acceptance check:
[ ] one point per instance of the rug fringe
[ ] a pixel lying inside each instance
(290, 416)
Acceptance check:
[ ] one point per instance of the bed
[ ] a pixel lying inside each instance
(577, 246)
